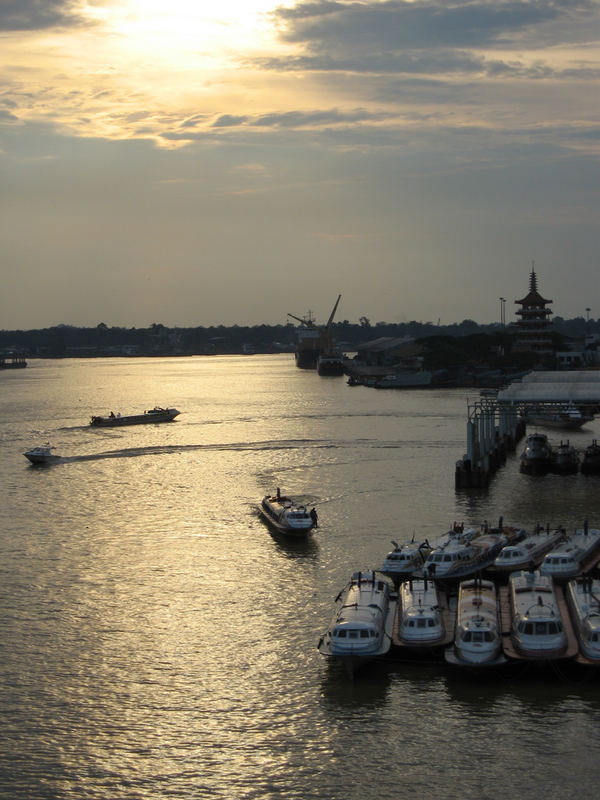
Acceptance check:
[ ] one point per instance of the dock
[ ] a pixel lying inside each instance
(495, 424)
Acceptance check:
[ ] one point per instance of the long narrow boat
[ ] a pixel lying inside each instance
(539, 630)
(477, 636)
(152, 416)
(287, 516)
(574, 555)
(529, 552)
(422, 618)
(458, 559)
(361, 627)
(583, 600)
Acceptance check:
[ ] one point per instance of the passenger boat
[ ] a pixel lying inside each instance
(566, 417)
(537, 455)
(155, 414)
(537, 629)
(583, 600)
(529, 552)
(287, 516)
(459, 559)
(565, 459)
(477, 636)
(42, 455)
(421, 621)
(361, 627)
(573, 555)
(405, 560)
(591, 459)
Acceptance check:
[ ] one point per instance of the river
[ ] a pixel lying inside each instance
(157, 641)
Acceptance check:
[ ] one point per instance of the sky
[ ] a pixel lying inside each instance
(195, 164)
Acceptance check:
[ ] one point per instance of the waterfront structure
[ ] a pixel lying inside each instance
(532, 330)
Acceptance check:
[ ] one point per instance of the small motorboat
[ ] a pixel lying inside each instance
(530, 551)
(537, 629)
(573, 555)
(565, 459)
(361, 627)
(537, 455)
(42, 455)
(477, 637)
(406, 560)
(287, 516)
(420, 619)
(154, 415)
(583, 600)
(591, 459)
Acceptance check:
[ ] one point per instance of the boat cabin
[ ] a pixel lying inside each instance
(537, 628)
(420, 619)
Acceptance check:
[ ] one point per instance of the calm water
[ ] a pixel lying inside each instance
(158, 642)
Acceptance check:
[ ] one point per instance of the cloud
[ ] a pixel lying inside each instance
(31, 15)
(399, 24)
(431, 36)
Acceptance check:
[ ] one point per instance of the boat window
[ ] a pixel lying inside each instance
(411, 624)
(468, 637)
(528, 629)
(431, 623)
(422, 623)
(541, 628)
(447, 558)
(353, 634)
(364, 634)
(488, 636)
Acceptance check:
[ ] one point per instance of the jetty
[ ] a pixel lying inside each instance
(495, 424)
(12, 361)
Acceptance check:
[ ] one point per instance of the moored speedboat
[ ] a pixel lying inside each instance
(538, 630)
(573, 555)
(583, 600)
(529, 552)
(537, 455)
(420, 619)
(287, 516)
(405, 560)
(42, 455)
(458, 559)
(591, 459)
(361, 627)
(477, 637)
(156, 414)
(565, 459)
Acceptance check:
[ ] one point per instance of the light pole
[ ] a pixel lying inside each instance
(502, 317)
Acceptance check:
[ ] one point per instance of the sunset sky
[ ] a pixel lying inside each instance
(187, 163)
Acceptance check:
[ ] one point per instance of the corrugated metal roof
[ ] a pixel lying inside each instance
(385, 343)
(582, 386)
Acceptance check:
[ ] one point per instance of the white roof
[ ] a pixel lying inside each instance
(581, 386)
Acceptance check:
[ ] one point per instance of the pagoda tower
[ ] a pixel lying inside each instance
(532, 330)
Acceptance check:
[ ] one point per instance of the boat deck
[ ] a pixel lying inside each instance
(505, 618)
(448, 617)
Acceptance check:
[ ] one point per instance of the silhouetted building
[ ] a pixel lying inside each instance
(532, 330)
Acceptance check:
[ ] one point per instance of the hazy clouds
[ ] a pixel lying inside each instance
(414, 156)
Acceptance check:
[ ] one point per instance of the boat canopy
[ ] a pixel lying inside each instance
(578, 387)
